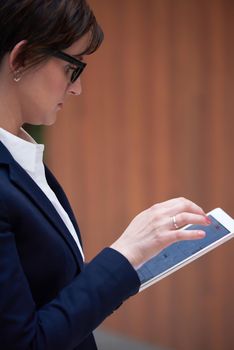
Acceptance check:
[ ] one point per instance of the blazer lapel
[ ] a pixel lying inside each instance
(58, 190)
(26, 184)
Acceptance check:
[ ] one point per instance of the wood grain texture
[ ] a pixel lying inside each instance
(155, 121)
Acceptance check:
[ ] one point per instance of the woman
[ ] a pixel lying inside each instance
(48, 298)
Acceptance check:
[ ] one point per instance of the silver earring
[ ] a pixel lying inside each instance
(17, 76)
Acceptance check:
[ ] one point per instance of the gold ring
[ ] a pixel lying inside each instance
(174, 223)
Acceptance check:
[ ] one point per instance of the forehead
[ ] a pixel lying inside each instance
(79, 46)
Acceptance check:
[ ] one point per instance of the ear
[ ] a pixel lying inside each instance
(13, 62)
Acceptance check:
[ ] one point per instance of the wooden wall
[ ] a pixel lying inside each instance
(155, 121)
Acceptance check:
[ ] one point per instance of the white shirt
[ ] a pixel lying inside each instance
(29, 155)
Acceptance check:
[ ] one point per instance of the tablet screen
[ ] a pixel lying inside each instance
(180, 251)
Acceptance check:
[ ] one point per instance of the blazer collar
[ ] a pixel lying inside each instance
(26, 184)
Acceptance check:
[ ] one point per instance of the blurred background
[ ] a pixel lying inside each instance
(155, 121)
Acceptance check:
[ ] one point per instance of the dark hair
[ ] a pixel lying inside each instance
(44, 24)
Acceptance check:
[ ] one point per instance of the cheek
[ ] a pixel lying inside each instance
(47, 81)
(41, 90)
(51, 80)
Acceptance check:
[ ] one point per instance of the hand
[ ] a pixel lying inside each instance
(159, 226)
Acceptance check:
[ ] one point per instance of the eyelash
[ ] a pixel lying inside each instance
(68, 68)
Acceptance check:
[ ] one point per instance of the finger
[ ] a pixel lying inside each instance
(189, 234)
(175, 222)
(185, 205)
(184, 235)
(177, 205)
(183, 219)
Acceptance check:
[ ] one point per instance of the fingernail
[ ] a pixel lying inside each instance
(208, 221)
(201, 234)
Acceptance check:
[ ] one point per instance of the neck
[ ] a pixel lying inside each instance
(10, 113)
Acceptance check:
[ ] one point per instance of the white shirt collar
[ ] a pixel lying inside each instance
(23, 149)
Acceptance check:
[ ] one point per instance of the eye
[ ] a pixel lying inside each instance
(69, 68)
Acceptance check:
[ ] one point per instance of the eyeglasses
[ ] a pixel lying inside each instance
(65, 57)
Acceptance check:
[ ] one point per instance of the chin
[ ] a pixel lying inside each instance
(49, 123)
(50, 119)
(42, 118)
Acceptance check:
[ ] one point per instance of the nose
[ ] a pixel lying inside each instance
(75, 88)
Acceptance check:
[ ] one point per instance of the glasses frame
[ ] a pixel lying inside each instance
(70, 59)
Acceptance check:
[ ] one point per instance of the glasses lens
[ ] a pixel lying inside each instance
(79, 64)
(76, 73)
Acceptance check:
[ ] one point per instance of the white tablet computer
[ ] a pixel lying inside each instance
(181, 253)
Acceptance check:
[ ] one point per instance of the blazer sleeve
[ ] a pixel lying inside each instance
(78, 309)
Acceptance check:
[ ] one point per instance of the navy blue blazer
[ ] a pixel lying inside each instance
(50, 300)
